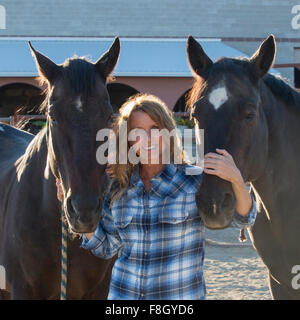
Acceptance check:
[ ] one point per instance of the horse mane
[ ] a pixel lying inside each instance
(278, 85)
(282, 89)
(195, 93)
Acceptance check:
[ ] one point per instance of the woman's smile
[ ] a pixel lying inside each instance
(150, 148)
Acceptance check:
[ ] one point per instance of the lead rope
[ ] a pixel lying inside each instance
(243, 237)
(64, 257)
(64, 245)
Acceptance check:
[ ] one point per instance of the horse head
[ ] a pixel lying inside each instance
(227, 102)
(77, 107)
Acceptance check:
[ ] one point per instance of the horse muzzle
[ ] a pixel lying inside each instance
(216, 213)
(83, 213)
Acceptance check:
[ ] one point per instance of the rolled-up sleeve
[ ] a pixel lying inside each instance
(248, 220)
(106, 241)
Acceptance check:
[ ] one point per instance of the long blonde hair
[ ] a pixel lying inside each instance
(159, 113)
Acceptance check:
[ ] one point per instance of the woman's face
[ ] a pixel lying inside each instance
(146, 141)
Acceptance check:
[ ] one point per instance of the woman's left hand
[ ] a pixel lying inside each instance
(222, 165)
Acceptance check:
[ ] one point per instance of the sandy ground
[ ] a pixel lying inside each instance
(233, 270)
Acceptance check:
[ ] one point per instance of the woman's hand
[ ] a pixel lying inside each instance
(89, 235)
(109, 171)
(222, 165)
(60, 193)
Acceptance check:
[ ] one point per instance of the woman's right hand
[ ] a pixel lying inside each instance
(109, 171)
(89, 235)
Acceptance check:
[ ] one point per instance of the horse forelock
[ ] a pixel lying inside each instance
(81, 75)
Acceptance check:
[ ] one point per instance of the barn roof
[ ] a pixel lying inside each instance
(139, 57)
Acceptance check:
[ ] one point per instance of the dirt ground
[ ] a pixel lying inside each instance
(233, 270)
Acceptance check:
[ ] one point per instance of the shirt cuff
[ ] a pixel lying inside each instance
(249, 219)
(95, 241)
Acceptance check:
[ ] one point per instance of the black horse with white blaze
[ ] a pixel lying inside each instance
(255, 116)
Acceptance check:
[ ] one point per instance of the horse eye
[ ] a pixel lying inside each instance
(110, 120)
(52, 119)
(250, 116)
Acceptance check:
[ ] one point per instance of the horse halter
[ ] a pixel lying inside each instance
(47, 144)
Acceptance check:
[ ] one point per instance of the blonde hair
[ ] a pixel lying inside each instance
(159, 113)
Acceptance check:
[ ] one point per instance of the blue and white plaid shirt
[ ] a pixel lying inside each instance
(159, 238)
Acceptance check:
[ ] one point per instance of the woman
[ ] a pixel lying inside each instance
(150, 218)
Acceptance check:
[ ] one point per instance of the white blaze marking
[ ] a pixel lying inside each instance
(217, 97)
(78, 104)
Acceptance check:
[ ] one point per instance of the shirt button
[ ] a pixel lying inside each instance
(145, 253)
(142, 294)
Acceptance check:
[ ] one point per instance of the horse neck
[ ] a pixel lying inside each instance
(283, 147)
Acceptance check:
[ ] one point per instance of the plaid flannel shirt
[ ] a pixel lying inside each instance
(159, 238)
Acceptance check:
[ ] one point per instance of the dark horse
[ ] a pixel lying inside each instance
(78, 105)
(255, 116)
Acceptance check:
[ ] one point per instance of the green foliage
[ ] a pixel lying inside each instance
(184, 122)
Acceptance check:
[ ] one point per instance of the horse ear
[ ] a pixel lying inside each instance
(46, 67)
(107, 62)
(198, 60)
(263, 58)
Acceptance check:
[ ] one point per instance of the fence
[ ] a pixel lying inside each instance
(13, 120)
(189, 146)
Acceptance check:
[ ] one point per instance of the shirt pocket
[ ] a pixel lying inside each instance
(181, 216)
(179, 212)
(122, 220)
(122, 214)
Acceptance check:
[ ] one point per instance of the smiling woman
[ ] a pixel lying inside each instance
(150, 218)
(142, 114)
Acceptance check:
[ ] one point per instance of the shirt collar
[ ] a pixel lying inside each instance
(161, 185)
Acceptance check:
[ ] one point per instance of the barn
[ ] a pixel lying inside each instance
(153, 38)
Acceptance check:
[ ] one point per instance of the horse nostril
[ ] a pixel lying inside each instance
(70, 207)
(83, 206)
(99, 205)
(227, 202)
